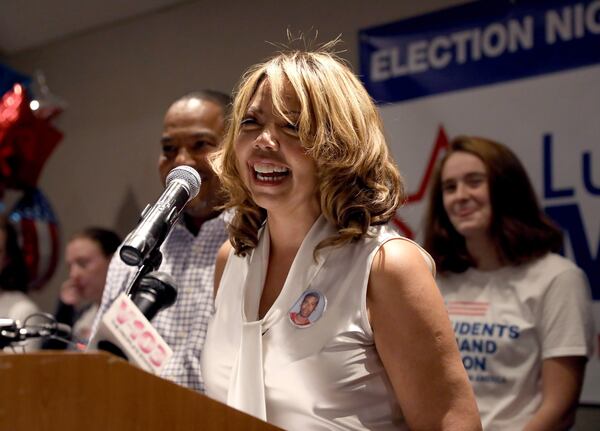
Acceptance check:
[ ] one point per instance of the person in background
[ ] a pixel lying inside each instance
(193, 129)
(307, 170)
(521, 312)
(87, 255)
(14, 279)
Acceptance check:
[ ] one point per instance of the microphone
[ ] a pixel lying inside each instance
(155, 292)
(182, 185)
(46, 330)
(13, 331)
(9, 331)
(125, 328)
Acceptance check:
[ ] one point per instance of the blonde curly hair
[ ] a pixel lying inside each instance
(341, 130)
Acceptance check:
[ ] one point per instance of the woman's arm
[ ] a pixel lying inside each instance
(561, 386)
(416, 343)
(565, 324)
(222, 256)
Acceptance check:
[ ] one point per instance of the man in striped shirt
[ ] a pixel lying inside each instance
(193, 128)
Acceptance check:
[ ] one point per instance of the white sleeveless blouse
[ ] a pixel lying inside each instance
(325, 376)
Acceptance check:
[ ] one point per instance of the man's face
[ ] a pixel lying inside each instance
(192, 130)
(309, 303)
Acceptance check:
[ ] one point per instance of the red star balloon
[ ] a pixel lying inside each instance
(26, 141)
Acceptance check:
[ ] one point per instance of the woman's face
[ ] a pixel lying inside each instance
(271, 159)
(87, 268)
(465, 194)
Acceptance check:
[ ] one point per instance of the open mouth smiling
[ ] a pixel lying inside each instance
(270, 173)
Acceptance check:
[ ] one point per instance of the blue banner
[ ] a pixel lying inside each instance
(477, 44)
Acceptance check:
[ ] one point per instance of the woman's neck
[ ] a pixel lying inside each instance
(288, 232)
(484, 251)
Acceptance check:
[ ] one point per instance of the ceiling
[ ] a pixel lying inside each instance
(26, 24)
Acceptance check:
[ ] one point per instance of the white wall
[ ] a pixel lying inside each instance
(119, 80)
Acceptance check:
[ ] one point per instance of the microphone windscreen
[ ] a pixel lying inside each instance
(188, 176)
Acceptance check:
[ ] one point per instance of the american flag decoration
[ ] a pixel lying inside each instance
(467, 308)
(37, 228)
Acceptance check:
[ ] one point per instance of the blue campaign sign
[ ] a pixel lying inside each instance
(477, 44)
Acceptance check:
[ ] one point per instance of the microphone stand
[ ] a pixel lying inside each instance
(151, 263)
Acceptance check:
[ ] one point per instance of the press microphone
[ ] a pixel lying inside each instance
(125, 328)
(182, 185)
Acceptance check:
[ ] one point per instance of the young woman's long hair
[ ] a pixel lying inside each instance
(519, 228)
(341, 130)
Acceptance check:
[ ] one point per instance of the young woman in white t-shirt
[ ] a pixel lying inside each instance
(521, 313)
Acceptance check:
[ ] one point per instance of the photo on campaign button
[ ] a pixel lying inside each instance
(308, 309)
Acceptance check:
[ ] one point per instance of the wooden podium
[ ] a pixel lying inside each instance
(96, 391)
